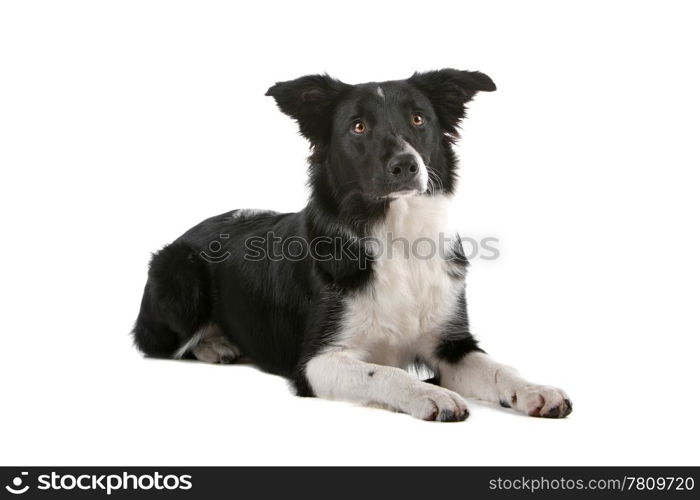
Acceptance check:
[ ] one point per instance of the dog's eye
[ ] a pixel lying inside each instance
(417, 119)
(358, 127)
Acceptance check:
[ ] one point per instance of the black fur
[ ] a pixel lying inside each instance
(279, 313)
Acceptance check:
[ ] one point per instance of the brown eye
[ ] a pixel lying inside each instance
(359, 127)
(417, 119)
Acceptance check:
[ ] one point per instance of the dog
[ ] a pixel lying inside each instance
(347, 318)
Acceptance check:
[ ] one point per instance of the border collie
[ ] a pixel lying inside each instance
(337, 297)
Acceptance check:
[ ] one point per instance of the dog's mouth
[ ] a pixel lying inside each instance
(401, 193)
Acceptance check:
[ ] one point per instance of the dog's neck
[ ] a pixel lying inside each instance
(413, 217)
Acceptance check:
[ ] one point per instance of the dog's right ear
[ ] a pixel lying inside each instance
(310, 100)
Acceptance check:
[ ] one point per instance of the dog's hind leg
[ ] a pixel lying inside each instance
(176, 303)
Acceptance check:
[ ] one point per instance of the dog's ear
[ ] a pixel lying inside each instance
(449, 90)
(310, 100)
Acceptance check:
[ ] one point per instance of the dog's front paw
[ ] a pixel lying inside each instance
(542, 401)
(437, 403)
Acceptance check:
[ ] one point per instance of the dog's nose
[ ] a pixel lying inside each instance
(403, 166)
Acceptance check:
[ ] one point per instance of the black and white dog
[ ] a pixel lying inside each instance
(345, 318)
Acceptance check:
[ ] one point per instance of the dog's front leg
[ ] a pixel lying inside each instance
(341, 375)
(477, 375)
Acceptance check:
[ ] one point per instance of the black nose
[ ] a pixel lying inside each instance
(403, 166)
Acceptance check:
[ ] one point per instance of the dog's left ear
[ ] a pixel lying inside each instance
(310, 100)
(449, 90)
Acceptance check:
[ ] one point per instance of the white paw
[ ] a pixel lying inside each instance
(436, 403)
(216, 350)
(540, 401)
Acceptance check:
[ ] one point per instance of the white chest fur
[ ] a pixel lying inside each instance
(412, 295)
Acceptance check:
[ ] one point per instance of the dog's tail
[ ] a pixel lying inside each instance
(176, 303)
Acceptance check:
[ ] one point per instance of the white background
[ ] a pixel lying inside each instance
(122, 124)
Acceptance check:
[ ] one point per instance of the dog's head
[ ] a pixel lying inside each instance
(382, 140)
